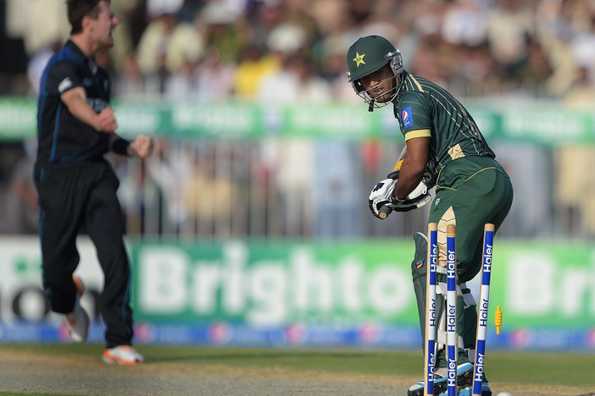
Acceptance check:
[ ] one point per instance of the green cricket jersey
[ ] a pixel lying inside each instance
(423, 108)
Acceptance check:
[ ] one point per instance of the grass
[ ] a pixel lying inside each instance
(510, 368)
(32, 394)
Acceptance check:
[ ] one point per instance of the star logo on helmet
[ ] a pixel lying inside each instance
(359, 59)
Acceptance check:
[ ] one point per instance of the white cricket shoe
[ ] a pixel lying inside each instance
(77, 322)
(123, 355)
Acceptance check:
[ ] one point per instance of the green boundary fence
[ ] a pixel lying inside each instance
(540, 123)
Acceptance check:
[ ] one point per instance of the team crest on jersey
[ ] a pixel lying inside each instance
(64, 85)
(407, 116)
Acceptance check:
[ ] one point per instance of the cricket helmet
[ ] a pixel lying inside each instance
(368, 55)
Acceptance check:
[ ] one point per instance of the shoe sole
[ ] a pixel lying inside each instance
(77, 338)
(79, 285)
(80, 290)
(120, 362)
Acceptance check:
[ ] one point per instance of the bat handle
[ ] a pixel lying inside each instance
(384, 211)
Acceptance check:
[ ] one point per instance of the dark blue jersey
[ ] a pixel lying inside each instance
(62, 138)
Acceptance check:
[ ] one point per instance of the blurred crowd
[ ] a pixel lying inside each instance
(287, 51)
(215, 49)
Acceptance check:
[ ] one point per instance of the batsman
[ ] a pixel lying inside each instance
(444, 149)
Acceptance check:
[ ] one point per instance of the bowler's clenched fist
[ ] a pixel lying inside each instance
(141, 146)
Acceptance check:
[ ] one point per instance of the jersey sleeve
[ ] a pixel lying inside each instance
(63, 77)
(414, 113)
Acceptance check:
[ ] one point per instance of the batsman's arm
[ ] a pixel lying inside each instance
(413, 166)
(394, 174)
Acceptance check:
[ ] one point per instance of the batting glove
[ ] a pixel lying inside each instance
(380, 196)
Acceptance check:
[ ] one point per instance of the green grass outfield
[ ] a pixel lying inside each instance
(510, 370)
